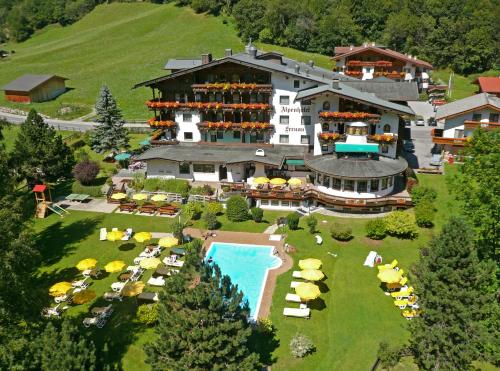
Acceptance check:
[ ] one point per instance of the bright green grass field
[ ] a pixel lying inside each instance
(462, 86)
(121, 45)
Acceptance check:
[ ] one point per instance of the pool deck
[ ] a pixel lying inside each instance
(252, 239)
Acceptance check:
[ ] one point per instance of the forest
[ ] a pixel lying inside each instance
(460, 34)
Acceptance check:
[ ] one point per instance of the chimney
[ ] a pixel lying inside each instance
(206, 58)
(297, 68)
(311, 63)
(307, 71)
(228, 52)
(351, 47)
(252, 50)
(373, 43)
(335, 84)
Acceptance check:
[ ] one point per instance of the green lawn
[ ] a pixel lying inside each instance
(462, 86)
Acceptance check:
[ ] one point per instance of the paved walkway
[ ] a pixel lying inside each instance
(254, 239)
(98, 205)
(347, 215)
(271, 229)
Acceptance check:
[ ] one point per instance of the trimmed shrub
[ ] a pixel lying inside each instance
(424, 213)
(301, 345)
(311, 222)
(177, 228)
(292, 220)
(237, 209)
(210, 220)
(86, 172)
(257, 214)
(389, 356)
(93, 190)
(375, 229)
(137, 182)
(204, 190)
(341, 232)
(167, 185)
(265, 326)
(192, 210)
(147, 314)
(422, 193)
(214, 207)
(400, 224)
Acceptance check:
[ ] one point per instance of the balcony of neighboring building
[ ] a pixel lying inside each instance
(458, 141)
(486, 125)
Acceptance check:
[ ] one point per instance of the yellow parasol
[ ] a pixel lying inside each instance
(294, 181)
(133, 288)
(60, 288)
(168, 242)
(140, 196)
(307, 291)
(312, 274)
(261, 180)
(310, 263)
(115, 235)
(150, 263)
(389, 276)
(158, 198)
(142, 236)
(278, 181)
(85, 264)
(115, 266)
(83, 297)
(119, 196)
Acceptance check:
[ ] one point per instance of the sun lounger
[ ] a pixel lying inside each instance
(409, 314)
(296, 312)
(99, 322)
(178, 251)
(102, 311)
(80, 284)
(127, 235)
(129, 207)
(103, 233)
(51, 311)
(114, 229)
(296, 274)
(319, 239)
(162, 271)
(63, 298)
(370, 259)
(173, 263)
(294, 284)
(138, 259)
(294, 298)
(275, 237)
(148, 297)
(158, 281)
(401, 285)
(393, 265)
(110, 296)
(117, 286)
(136, 275)
(401, 303)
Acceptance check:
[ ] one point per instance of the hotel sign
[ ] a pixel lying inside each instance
(288, 129)
(286, 109)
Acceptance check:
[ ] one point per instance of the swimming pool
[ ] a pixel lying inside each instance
(247, 265)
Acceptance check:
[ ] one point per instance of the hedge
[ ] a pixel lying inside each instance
(91, 190)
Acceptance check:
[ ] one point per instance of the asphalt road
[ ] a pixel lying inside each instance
(421, 137)
(423, 109)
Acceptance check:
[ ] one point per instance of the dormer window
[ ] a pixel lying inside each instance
(326, 106)
(387, 128)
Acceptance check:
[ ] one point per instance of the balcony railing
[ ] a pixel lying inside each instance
(355, 63)
(165, 142)
(240, 87)
(156, 122)
(228, 125)
(209, 106)
(471, 125)
(382, 138)
(326, 137)
(330, 116)
(437, 138)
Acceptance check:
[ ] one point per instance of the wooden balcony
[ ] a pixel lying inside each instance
(155, 104)
(232, 87)
(240, 126)
(471, 125)
(332, 116)
(459, 142)
(166, 142)
(257, 144)
(356, 63)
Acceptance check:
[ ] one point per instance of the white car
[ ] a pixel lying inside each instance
(420, 121)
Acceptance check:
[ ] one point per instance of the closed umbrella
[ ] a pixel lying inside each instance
(150, 263)
(115, 266)
(85, 264)
(158, 198)
(140, 196)
(295, 182)
(389, 276)
(84, 296)
(133, 288)
(145, 142)
(60, 288)
(122, 156)
(119, 196)
(278, 181)
(168, 242)
(312, 274)
(310, 263)
(142, 236)
(261, 180)
(307, 291)
(115, 235)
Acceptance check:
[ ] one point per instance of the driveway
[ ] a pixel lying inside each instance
(421, 136)
(423, 109)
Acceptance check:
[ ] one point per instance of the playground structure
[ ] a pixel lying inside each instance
(44, 202)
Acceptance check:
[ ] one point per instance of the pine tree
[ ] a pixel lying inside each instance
(201, 326)
(458, 305)
(110, 134)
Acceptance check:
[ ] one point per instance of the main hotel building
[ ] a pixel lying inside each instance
(256, 114)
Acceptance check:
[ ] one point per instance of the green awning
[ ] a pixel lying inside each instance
(356, 148)
(295, 162)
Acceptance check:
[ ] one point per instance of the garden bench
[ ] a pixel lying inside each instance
(148, 209)
(128, 207)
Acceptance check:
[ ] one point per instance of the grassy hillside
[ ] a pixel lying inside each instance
(120, 45)
(462, 86)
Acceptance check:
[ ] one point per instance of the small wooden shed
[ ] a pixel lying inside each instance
(34, 88)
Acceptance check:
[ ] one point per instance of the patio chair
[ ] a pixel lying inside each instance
(136, 275)
(402, 304)
(102, 311)
(294, 298)
(138, 260)
(158, 281)
(81, 284)
(403, 293)
(388, 266)
(297, 312)
(319, 239)
(63, 298)
(294, 284)
(51, 311)
(98, 322)
(118, 286)
(110, 296)
(127, 235)
(103, 233)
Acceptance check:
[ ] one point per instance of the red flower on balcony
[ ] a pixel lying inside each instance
(382, 138)
(255, 125)
(329, 137)
(347, 115)
(156, 122)
(208, 105)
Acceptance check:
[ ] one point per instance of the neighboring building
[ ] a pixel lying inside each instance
(460, 118)
(489, 85)
(34, 88)
(258, 114)
(370, 61)
(437, 95)
(388, 89)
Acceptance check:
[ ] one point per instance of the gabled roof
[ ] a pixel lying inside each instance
(349, 92)
(27, 83)
(468, 104)
(488, 84)
(180, 64)
(388, 52)
(387, 89)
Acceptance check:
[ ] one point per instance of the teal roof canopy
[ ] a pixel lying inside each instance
(295, 162)
(356, 147)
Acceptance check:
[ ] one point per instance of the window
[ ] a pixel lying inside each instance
(236, 98)
(459, 133)
(220, 135)
(385, 148)
(197, 97)
(326, 106)
(203, 168)
(177, 97)
(384, 183)
(391, 180)
(493, 117)
(348, 185)
(326, 181)
(218, 97)
(306, 102)
(284, 100)
(374, 185)
(284, 138)
(324, 148)
(304, 139)
(275, 203)
(184, 168)
(264, 202)
(387, 128)
(211, 97)
(476, 117)
(187, 117)
(295, 204)
(236, 134)
(306, 120)
(296, 84)
(285, 203)
(253, 98)
(362, 186)
(336, 183)
(285, 120)
(188, 135)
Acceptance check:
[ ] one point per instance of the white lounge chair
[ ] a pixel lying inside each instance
(118, 286)
(138, 260)
(66, 297)
(296, 312)
(110, 296)
(114, 229)
(127, 235)
(80, 284)
(319, 239)
(158, 281)
(294, 298)
(296, 274)
(96, 321)
(173, 262)
(51, 311)
(294, 284)
(103, 233)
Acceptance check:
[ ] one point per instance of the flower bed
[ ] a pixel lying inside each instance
(347, 115)
(210, 105)
(155, 122)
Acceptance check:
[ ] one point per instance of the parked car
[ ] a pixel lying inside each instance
(408, 146)
(420, 121)
(431, 121)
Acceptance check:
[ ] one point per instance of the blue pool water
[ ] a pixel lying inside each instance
(247, 265)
